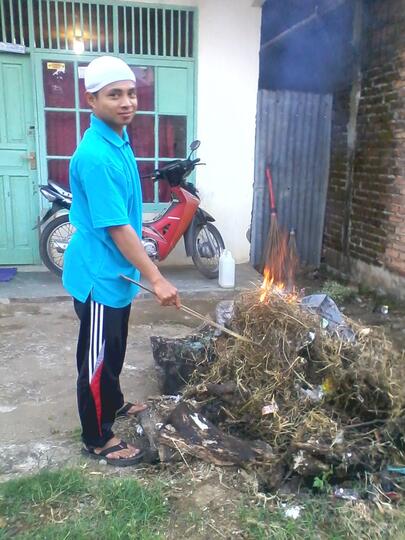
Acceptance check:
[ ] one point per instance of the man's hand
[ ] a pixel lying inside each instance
(166, 293)
(131, 247)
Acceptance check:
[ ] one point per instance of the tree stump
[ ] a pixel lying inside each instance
(177, 358)
(152, 420)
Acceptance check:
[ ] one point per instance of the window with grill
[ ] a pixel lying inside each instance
(100, 27)
(14, 22)
(65, 25)
(62, 36)
(155, 31)
(157, 134)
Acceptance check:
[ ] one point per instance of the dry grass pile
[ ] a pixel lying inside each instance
(317, 400)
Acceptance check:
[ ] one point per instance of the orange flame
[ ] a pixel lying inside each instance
(279, 272)
(268, 288)
(267, 284)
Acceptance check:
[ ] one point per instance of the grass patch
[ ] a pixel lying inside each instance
(70, 504)
(339, 292)
(76, 434)
(322, 518)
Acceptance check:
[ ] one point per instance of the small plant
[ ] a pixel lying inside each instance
(321, 483)
(365, 290)
(339, 292)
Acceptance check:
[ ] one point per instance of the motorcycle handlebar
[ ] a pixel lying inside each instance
(174, 171)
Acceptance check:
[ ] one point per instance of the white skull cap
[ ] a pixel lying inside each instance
(106, 70)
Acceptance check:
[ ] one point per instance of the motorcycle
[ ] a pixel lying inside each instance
(184, 217)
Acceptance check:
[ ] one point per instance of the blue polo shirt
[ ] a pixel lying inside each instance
(106, 191)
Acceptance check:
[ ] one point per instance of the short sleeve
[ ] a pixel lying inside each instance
(105, 187)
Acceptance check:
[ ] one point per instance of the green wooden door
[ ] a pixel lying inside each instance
(18, 179)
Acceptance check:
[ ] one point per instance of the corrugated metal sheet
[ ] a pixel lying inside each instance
(293, 137)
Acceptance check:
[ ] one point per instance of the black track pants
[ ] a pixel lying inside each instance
(100, 356)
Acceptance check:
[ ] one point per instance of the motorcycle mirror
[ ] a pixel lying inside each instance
(194, 145)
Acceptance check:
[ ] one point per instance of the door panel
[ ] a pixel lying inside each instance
(18, 181)
(20, 198)
(13, 85)
(3, 216)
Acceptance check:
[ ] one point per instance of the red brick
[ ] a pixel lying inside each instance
(378, 203)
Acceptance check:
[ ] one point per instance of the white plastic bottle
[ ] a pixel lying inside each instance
(226, 278)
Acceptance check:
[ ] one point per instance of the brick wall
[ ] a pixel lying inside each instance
(377, 217)
(335, 204)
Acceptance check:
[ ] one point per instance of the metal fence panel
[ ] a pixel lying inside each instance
(101, 26)
(293, 138)
(13, 22)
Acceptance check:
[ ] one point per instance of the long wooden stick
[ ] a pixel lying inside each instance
(194, 313)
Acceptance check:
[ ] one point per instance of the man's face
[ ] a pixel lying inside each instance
(115, 104)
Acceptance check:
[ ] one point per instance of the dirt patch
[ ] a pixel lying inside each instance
(365, 310)
(38, 419)
(38, 374)
(208, 510)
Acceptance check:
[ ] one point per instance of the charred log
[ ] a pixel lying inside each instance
(191, 433)
(177, 358)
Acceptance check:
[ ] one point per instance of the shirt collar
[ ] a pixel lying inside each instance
(109, 134)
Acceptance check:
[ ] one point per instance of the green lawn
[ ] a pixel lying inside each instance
(72, 504)
(325, 519)
(80, 505)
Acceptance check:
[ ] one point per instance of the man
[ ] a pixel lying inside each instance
(107, 214)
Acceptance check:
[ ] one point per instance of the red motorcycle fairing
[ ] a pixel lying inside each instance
(169, 227)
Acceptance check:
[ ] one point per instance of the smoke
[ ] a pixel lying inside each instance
(315, 57)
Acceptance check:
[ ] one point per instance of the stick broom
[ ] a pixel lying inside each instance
(194, 313)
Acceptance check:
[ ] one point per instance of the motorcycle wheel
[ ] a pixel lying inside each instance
(53, 243)
(207, 247)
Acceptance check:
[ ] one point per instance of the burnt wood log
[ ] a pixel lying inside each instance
(151, 421)
(189, 432)
(177, 358)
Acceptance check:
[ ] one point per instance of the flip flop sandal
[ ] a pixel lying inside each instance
(117, 462)
(123, 411)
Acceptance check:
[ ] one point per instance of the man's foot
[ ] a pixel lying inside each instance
(127, 451)
(131, 409)
(137, 408)
(115, 452)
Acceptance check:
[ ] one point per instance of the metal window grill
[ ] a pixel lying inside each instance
(58, 24)
(155, 31)
(98, 27)
(14, 22)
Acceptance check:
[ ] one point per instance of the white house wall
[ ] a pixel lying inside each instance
(227, 80)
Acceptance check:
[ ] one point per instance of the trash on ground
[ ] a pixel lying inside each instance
(399, 470)
(325, 307)
(346, 494)
(382, 310)
(302, 398)
(293, 512)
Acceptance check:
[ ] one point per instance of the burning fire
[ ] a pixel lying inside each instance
(279, 272)
(269, 287)
(267, 284)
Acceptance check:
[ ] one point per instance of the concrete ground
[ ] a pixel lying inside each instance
(39, 284)
(38, 328)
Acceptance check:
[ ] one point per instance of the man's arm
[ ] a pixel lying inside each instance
(129, 244)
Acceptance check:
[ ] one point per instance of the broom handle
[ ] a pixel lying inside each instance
(194, 313)
(271, 193)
